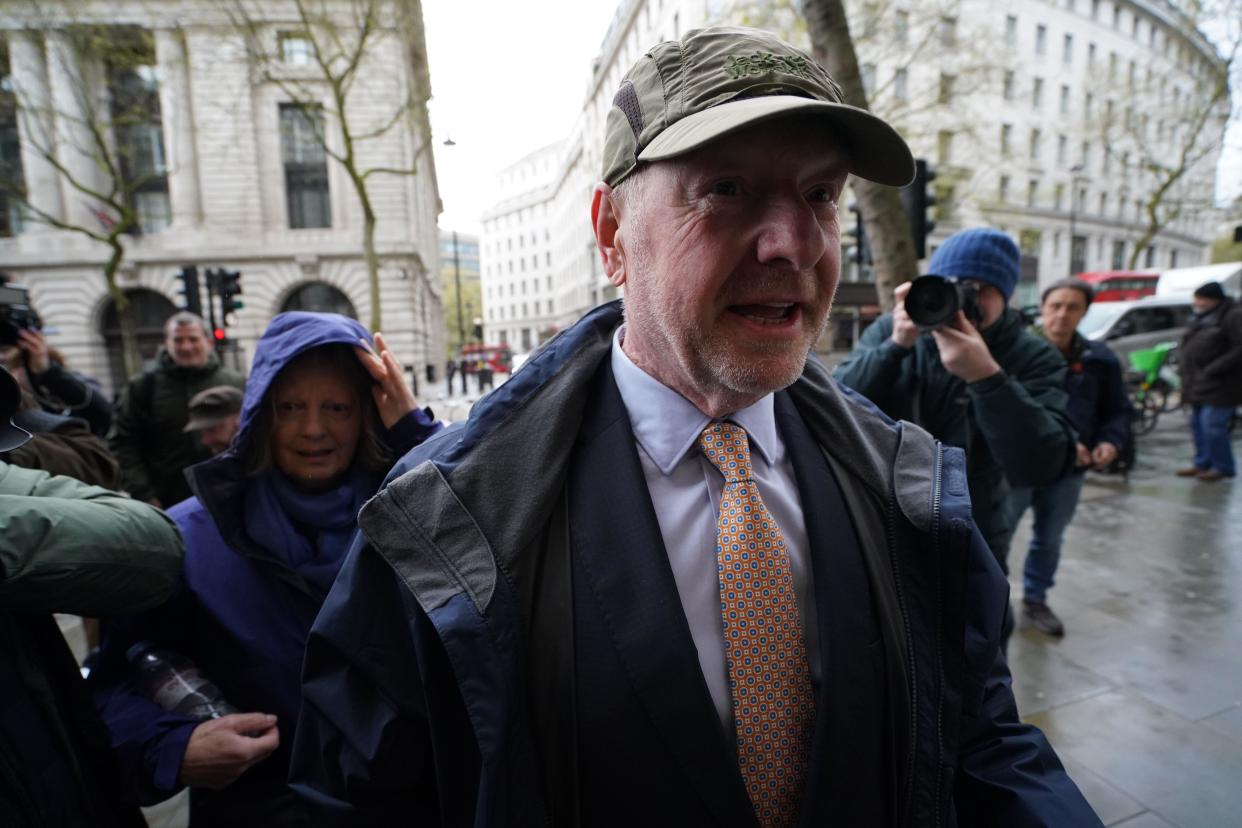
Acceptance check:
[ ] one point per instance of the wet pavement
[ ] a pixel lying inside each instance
(1143, 697)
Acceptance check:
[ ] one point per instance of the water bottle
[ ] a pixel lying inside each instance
(174, 683)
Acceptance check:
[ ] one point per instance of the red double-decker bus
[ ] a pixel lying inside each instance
(1120, 285)
(497, 357)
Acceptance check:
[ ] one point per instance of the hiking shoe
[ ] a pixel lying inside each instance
(1193, 471)
(1212, 475)
(1043, 618)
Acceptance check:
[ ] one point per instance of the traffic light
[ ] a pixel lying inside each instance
(193, 301)
(861, 254)
(915, 200)
(228, 287)
(220, 335)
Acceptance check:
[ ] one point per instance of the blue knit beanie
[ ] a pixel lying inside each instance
(979, 253)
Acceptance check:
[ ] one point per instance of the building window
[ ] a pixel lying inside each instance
(1112, 66)
(1002, 192)
(1041, 40)
(944, 146)
(1088, 104)
(1036, 137)
(1104, 205)
(946, 88)
(1011, 30)
(295, 49)
(1065, 99)
(133, 88)
(1062, 145)
(1119, 254)
(1007, 85)
(1149, 256)
(1095, 9)
(1032, 189)
(868, 78)
(1172, 258)
(948, 31)
(306, 165)
(899, 84)
(1116, 15)
(1067, 50)
(1085, 159)
(1037, 93)
(1058, 196)
(1006, 132)
(1090, 55)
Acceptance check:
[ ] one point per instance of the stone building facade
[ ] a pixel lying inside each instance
(235, 176)
(1040, 117)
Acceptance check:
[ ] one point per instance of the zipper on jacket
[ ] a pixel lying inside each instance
(935, 527)
(907, 795)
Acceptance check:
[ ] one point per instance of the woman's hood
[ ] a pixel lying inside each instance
(287, 336)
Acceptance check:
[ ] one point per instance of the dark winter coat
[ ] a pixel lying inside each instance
(64, 392)
(1013, 426)
(64, 446)
(67, 547)
(442, 676)
(242, 616)
(147, 435)
(1098, 406)
(1210, 357)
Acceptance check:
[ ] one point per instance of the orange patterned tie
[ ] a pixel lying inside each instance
(770, 680)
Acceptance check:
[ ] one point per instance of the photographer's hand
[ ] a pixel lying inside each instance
(963, 351)
(35, 346)
(905, 332)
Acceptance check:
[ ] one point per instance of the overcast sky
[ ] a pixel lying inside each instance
(504, 85)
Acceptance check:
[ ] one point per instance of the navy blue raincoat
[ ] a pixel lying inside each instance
(243, 615)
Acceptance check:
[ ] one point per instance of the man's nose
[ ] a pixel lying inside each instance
(791, 234)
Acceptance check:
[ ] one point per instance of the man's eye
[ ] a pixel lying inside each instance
(822, 195)
(726, 188)
(286, 407)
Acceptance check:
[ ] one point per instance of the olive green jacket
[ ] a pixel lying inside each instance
(67, 547)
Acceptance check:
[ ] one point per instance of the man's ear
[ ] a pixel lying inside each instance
(606, 222)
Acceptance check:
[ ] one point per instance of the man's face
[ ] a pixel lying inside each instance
(1061, 312)
(730, 257)
(217, 437)
(1203, 305)
(991, 303)
(188, 345)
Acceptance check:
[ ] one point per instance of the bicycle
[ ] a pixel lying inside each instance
(1150, 392)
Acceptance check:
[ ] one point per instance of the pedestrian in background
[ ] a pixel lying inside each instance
(148, 433)
(40, 370)
(450, 371)
(1210, 363)
(63, 547)
(1100, 412)
(323, 417)
(215, 415)
(989, 387)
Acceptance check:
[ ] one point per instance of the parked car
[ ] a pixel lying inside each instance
(1136, 324)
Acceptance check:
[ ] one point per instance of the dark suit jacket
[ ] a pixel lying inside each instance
(644, 718)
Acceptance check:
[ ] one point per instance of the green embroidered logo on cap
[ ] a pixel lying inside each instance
(740, 66)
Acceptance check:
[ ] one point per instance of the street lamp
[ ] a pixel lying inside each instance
(461, 325)
(1074, 173)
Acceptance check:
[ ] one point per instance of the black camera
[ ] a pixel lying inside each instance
(933, 301)
(16, 314)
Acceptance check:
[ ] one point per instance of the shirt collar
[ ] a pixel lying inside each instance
(667, 425)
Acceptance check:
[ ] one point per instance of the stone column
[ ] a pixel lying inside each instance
(35, 125)
(177, 115)
(75, 145)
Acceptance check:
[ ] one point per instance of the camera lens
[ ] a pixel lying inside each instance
(932, 301)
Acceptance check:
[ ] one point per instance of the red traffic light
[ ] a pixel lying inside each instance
(219, 334)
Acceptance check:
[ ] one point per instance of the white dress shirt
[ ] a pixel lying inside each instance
(685, 490)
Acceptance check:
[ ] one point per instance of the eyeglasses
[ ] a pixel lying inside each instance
(333, 412)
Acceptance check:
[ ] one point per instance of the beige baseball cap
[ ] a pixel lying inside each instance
(683, 94)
